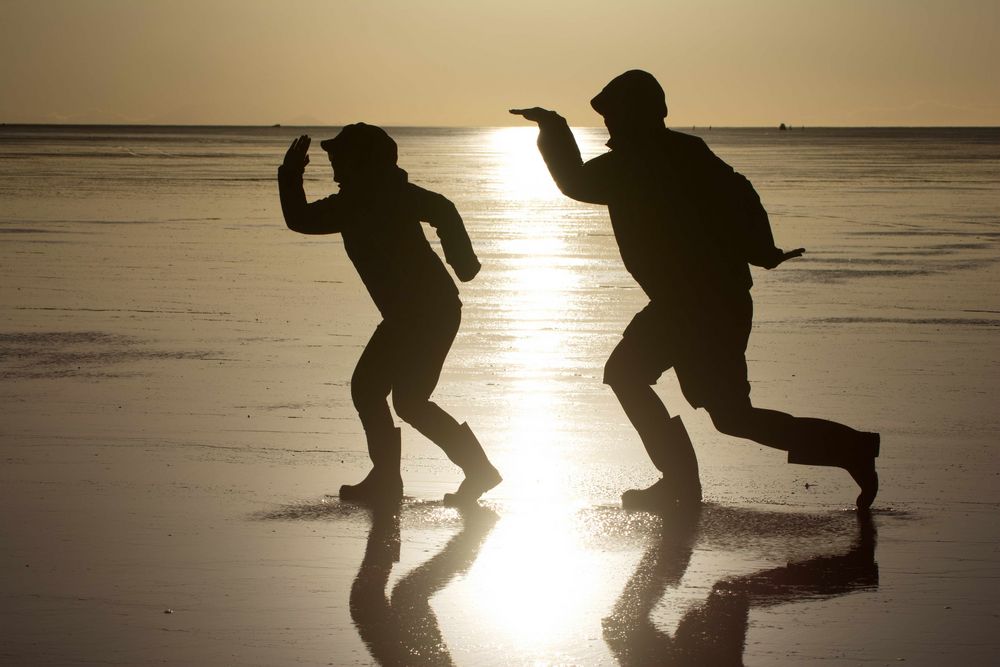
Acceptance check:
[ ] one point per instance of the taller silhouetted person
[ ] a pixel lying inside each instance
(378, 213)
(687, 226)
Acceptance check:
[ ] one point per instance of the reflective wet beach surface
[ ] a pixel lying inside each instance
(569, 590)
(174, 370)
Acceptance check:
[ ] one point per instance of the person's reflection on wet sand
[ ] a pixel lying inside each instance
(714, 633)
(629, 631)
(402, 629)
(370, 609)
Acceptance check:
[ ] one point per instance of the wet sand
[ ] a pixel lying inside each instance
(176, 412)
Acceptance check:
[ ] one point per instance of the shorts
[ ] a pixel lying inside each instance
(706, 347)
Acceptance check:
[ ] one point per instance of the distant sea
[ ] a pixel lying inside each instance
(867, 202)
(919, 178)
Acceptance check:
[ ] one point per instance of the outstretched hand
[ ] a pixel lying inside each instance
(535, 114)
(297, 156)
(780, 256)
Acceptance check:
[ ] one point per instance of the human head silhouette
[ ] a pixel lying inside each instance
(632, 103)
(360, 153)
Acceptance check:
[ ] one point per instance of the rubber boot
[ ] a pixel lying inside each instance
(480, 475)
(858, 459)
(673, 455)
(383, 485)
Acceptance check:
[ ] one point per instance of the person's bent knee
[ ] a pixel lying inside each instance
(729, 417)
(723, 420)
(408, 407)
(366, 398)
(620, 375)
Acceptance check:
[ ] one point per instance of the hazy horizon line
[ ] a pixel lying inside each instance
(452, 127)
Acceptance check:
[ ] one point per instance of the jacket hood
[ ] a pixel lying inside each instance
(363, 144)
(634, 95)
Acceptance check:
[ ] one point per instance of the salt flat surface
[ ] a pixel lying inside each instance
(174, 371)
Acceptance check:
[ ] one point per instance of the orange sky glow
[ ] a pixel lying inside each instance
(454, 62)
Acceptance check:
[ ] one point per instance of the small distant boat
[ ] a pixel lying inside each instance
(276, 125)
(782, 127)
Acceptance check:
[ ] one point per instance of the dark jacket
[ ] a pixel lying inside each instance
(686, 223)
(380, 224)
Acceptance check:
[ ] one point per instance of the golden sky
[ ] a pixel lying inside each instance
(465, 62)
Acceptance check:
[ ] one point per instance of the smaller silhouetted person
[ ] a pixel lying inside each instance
(378, 213)
(687, 226)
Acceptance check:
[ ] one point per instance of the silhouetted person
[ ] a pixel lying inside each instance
(714, 632)
(687, 226)
(378, 213)
(403, 630)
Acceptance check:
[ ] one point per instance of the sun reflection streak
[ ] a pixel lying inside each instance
(535, 566)
(536, 573)
(539, 296)
(546, 246)
(521, 175)
(540, 304)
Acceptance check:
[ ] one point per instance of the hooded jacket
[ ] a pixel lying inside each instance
(380, 225)
(686, 223)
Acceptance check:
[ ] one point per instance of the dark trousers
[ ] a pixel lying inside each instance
(404, 358)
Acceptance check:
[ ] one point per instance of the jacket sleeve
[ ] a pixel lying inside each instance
(325, 216)
(440, 213)
(574, 178)
(747, 220)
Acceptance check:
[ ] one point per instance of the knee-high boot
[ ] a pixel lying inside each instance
(384, 482)
(672, 452)
(464, 449)
(857, 458)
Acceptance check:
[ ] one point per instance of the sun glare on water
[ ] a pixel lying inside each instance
(539, 287)
(537, 575)
(534, 563)
(521, 175)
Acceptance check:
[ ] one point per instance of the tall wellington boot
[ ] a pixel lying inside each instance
(480, 475)
(384, 483)
(857, 458)
(673, 455)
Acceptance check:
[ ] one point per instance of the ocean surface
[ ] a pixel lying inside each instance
(171, 355)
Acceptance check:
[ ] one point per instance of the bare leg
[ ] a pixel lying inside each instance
(780, 429)
(807, 440)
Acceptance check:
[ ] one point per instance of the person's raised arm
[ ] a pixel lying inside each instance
(562, 156)
(319, 217)
(438, 211)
